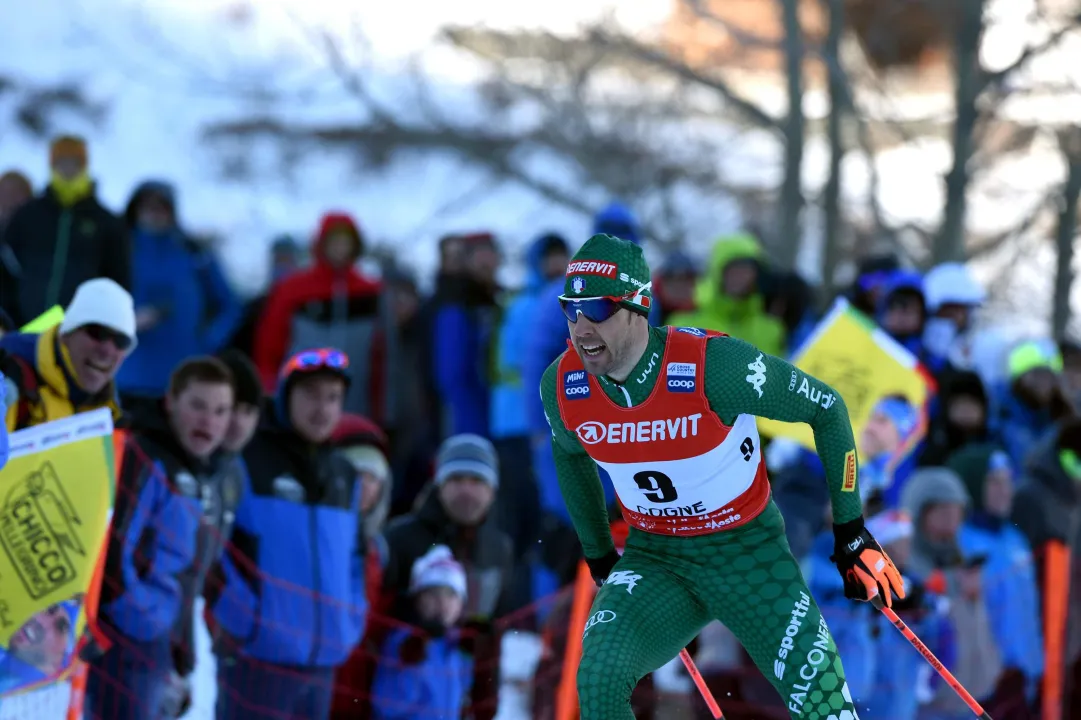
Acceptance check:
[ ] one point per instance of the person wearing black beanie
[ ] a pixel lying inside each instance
(249, 400)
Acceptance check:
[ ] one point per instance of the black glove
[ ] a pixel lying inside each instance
(914, 599)
(865, 567)
(183, 659)
(601, 567)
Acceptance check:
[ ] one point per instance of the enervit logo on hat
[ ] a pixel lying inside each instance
(592, 267)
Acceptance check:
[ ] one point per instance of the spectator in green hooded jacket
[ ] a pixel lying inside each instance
(728, 298)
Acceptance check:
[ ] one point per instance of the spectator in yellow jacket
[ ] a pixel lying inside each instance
(728, 298)
(69, 368)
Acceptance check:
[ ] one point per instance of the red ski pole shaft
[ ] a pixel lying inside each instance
(931, 659)
(701, 683)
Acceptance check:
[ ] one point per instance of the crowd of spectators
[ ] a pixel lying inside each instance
(357, 476)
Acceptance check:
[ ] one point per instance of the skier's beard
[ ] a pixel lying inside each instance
(617, 336)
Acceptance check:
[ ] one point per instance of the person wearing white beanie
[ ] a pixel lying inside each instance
(70, 368)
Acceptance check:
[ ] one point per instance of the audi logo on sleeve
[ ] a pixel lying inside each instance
(576, 385)
(680, 377)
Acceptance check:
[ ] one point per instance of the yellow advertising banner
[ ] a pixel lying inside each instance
(56, 496)
(48, 319)
(855, 357)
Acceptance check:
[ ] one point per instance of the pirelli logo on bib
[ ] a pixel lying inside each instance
(592, 267)
(848, 483)
(681, 377)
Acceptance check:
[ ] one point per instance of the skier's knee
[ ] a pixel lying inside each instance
(602, 684)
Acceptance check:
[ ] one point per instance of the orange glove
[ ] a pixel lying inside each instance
(865, 567)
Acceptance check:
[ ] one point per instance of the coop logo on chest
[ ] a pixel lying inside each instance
(576, 385)
(592, 267)
(680, 377)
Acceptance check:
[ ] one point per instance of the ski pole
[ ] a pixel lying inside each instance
(931, 659)
(701, 683)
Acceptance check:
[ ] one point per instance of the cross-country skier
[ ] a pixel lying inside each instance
(669, 413)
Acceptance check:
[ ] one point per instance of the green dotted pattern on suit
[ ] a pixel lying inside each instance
(665, 589)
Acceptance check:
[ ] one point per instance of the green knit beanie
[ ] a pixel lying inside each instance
(609, 267)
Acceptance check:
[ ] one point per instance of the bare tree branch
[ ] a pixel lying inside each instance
(748, 110)
(742, 37)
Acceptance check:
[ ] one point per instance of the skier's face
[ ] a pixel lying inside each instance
(605, 347)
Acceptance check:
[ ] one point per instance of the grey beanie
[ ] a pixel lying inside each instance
(467, 454)
(931, 485)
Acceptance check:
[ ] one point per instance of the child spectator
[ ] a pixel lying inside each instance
(424, 671)
(1009, 577)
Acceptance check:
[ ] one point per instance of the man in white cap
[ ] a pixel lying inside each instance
(69, 368)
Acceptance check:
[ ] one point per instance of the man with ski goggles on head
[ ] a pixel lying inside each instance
(289, 602)
(669, 413)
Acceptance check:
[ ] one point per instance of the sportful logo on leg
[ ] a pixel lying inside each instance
(624, 577)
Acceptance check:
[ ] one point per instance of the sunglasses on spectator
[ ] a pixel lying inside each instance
(595, 309)
(100, 333)
(311, 360)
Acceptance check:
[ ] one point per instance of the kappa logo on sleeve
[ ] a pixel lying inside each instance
(576, 385)
(757, 378)
(848, 482)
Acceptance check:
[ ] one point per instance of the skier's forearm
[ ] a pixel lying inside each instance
(744, 380)
(584, 496)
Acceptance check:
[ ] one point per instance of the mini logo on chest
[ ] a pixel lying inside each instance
(576, 385)
(681, 377)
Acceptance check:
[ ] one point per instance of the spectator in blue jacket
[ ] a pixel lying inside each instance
(424, 670)
(289, 602)
(898, 668)
(884, 468)
(516, 503)
(1009, 575)
(465, 330)
(902, 310)
(160, 547)
(183, 303)
(1034, 401)
(849, 622)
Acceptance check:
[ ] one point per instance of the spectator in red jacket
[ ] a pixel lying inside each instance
(332, 304)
